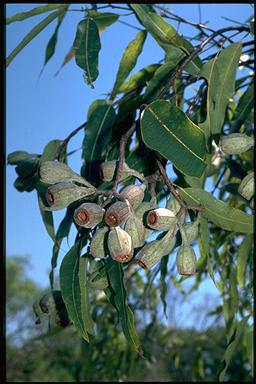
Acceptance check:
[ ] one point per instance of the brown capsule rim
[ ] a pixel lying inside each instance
(82, 216)
(152, 218)
(49, 197)
(142, 264)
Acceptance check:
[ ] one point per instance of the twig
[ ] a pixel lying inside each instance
(65, 142)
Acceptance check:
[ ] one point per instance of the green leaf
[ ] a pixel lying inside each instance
(249, 347)
(23, 184)
(87, 320)
(115, 274)
(128, 61)
(220, 213)
(87, 46)
(50, 49)
(103, 20)
(220, 73)
(47, 218)
(140, 78)
(30, 36)
(231, 348)
(167, 129)
(33, 12)
(165, 35)
(97, 133)
(51, 150)
(243, 109)
(243, 252)
(70, 288)
(163, 286)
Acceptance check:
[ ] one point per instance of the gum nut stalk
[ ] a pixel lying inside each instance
(117, 213)
(236, 143)
(153, 252)
(161, 219)
(52, 172)
(246, 188)
(120, 245)
(135, 228)
(174, 206)
(59, 196)
(88, 215)
(191, 230)
(186, 260)
(51, 302)
(97, 245)
(134, 193)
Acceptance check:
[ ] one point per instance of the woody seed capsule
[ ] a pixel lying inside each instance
(186, 260)
(135, 228)
(174, 206)
(235, 143)
(88, 215)
(120, 245)
(134, 193)
(117, 214)
(246, 188)
(191, 230)
(108, 169)
(97, 248)
(60, 195)
(161, 219)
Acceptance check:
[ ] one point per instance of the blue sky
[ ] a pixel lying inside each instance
(40, 111)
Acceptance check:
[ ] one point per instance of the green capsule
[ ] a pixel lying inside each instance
(246, 188)
(59, 196)
(16, 157)
(120, 245)
(191, 230)
(117, 213)
(135, 228)
(134, 194)
(186, 260)
(97, 245)
(141, 213)
(236, 143)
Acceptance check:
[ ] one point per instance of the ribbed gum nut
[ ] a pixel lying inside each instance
(59, 196)
(97, 245)
(186, 260)
(120, 245)
(134, 193)
(161, 219)
(174, 206)
(235, 143)
(88, 215)
(51, 302)
(141, 213)
(246, 188)
(52, 172)
(117, 214)
(17, 156)
(153, 252)
(135, 228)
(191, 230)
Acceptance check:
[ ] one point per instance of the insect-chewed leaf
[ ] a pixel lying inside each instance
(87, 46)
(167, 129)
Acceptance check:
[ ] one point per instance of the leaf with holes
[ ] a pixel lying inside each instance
(167, 129)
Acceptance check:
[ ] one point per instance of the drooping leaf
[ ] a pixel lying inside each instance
(97, 133)
(51, 150)
(243, 109)
(167, 129)
(140, 78)
(87, 320)
(231, 348)
(87, 46)
(119, 296)
(33, 12)
(47, 218)
(25, 184)
(220, 73)
(30, 36)
(164, 33)
(249, 339)
(50, 49)
(163, 270)
(68, 57)
(128, 61)
(70, 288)
(243, 253)
(220, 213)
(103, 19)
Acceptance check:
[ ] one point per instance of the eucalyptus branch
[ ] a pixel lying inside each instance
(72, 134)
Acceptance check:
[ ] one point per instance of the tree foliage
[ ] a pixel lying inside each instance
(147, 123)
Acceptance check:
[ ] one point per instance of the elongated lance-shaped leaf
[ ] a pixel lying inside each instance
(47, 218)
(69, 56)
(140, 78)
(97, 133)
(231, 348)
(87, 320)
(249, 341)
(50, 49)
(103, 19)
(163, 286)
(87, 46)
(128, 61)
(115, 274)
(220, 213)
(242, 256)
(243, 109)
(30, 36)
(70, 288)
(164, 33)
(220, 73)
(167, 129)
(51, 150)
(33, 12)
